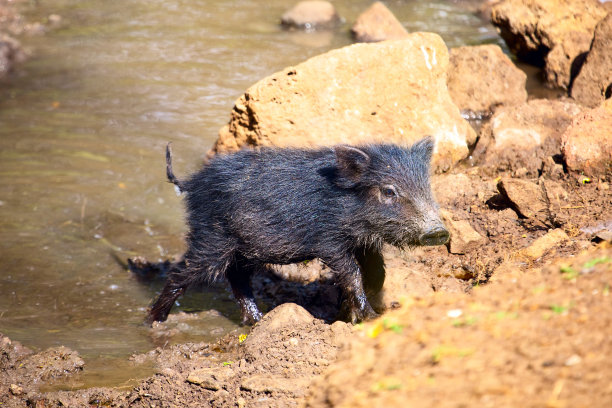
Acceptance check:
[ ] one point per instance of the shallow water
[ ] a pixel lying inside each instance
(83, 125)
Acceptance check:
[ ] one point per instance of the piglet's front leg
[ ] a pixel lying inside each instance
(355, 306)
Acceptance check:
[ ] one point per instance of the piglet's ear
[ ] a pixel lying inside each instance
(352, 162)
(424, 148)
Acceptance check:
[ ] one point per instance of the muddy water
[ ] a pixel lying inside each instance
(83, 125)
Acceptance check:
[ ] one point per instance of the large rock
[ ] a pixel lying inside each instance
(504, 85)
(594, 82)
(377, 23)
(311, 15)
(348, 96)
(525, 136)
(587, 142)
(550, 33)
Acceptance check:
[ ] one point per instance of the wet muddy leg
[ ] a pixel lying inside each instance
(239, 276)
(355, 306)
(161, 308)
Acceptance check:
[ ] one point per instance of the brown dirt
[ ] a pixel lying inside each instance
(538, 339)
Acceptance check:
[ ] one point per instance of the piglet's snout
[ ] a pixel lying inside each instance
(437, 235)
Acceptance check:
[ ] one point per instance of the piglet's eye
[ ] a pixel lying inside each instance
(389, 191)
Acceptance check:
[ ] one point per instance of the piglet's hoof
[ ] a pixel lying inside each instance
(355, 315)
(250, 314)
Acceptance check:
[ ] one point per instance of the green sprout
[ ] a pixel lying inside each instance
(560, 309)
(397, 328)
(467, 321)
(596, 261)
(569, 273)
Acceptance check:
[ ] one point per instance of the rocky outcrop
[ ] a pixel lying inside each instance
(587, 142)
(348, 96)
(554, 34)
(523, 137)
(504, 84)
(311, 15)
(377, 23)
(594, 82)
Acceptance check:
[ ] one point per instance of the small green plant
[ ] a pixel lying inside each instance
(381, 325)
(561, 309)
(449, 351)
(503, 315)
(596, 261)
(569, 273)
(466, 321)
(395, 327)
(386, 386)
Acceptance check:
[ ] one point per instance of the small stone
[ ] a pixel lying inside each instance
(526, 198)
(16, 390)
(462, 236)
(541, 245)
(10, 53)
(311, 15)
(210, 378)
(270, 383)
(54, 19)
(377, 23)
(573, 360)
(604, 235)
